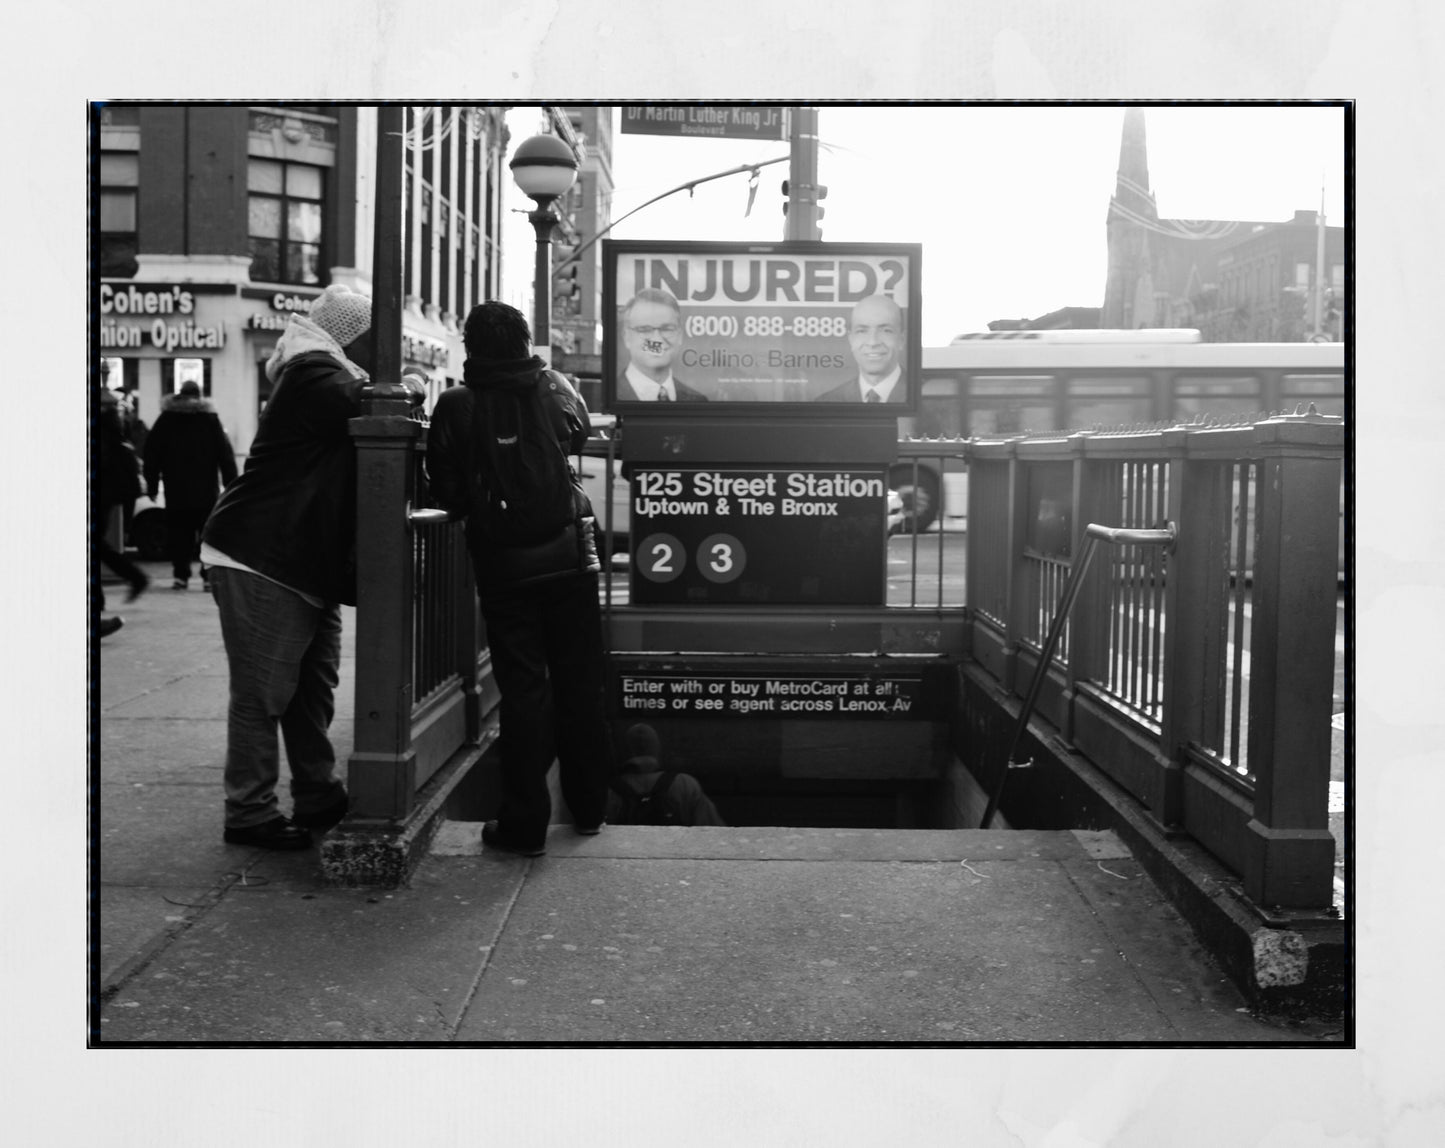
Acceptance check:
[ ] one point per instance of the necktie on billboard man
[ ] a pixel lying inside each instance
(871, 396)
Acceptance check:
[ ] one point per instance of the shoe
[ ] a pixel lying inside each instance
(589, 830)
(278, 833)
(138, 587)
(181, 584)
(324, 819)
(109, 626)
(492, 838)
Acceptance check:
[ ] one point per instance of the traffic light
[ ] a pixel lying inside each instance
(820, 192)
(566, 290)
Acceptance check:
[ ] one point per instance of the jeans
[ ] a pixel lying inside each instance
(546, 646)
(284, 656)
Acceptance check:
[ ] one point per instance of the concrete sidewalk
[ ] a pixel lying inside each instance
(645, 935)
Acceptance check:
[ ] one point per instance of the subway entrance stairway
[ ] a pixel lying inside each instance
(640, 935)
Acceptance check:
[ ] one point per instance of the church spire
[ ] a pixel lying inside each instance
(1131, 189)
(1132, 213)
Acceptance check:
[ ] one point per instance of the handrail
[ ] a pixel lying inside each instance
(430, 516)
(1127, 537)
(1093, 534)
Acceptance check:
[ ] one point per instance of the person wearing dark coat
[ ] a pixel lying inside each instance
(187, 452)
(539, 602)
(684, 801)
(281, 549)
(117, 482)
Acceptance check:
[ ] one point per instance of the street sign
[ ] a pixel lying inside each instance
(725, 121)
(758, 536)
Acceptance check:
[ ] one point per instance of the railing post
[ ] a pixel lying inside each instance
(1290, 859)
(974, 579)
(1192, 572)
(381, 773)
(1089, 627)
(1016, 592)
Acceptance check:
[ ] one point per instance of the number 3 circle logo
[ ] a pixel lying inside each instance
(660, 558)
(721, 558)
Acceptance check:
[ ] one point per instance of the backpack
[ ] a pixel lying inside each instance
(649, 807)
(526, 494)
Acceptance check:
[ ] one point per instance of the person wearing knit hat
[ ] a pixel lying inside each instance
(342, 313)
(280, 548)
(644, 793)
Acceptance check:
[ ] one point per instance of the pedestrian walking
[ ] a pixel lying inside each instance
(187, 454)
(117, 482)
(643, 793)
(497, 454)
(280, 548)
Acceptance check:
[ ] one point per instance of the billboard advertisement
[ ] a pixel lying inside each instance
(745, 328)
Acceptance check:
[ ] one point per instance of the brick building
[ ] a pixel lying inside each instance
(212, 223)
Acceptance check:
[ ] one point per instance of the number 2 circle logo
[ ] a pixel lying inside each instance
(660, 558)
(721, 558)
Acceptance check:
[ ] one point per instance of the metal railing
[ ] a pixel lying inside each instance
(924, 463)
(421, 659)
(1202, 684)
(1057, 622)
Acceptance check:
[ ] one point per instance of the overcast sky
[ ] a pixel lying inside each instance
(1009, 202)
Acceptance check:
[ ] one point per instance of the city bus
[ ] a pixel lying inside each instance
(1001, 383)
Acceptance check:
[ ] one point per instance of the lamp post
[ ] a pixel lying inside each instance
(544, 168)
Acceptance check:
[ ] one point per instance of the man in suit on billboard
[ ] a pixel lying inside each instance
(875, 333)
(652, 334)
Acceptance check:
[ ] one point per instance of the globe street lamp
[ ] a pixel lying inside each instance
(544, 168)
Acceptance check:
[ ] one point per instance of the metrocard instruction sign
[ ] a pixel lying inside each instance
(729, 121)
(643, 693)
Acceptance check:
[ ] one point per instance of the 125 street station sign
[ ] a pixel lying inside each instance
(756, 536)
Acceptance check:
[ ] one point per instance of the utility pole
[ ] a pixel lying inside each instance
(802, 187)
(386, 259)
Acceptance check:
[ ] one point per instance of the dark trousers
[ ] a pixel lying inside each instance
(183, 537)
(110, 557)
(547, 658)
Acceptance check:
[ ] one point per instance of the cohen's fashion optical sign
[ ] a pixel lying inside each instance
(159, 316)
